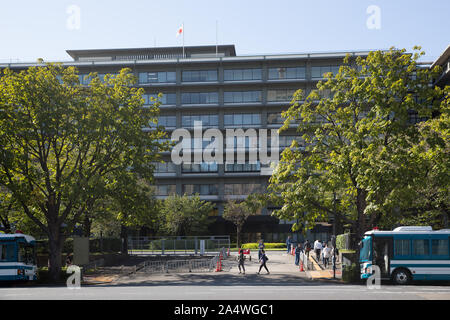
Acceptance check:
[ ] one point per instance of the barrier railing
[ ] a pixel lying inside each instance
(186, 265)
(177, 245)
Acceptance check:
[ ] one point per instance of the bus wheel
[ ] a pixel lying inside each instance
(401, 276)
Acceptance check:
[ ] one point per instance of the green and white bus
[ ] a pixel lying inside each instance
(406, 254)
(17, 257)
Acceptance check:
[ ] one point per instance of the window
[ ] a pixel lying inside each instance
(157, 77)
(201, 189)
(287, 73)
(421, 247)
(26, 253)
(166, 99)
(242, 96)
(199, 98)
(402, 248)
(318, 71)
(439, 247)
(208, 120)
(241, 188)
(166, 121)
(242, 119)
(280, 95)
(242, 74)
(7, 252)
(199, 76)
(202, 168)
(166, 167)
(165, 189)
(246, 167)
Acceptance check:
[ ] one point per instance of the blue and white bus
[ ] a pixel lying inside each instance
(17, 257)
(406, 254)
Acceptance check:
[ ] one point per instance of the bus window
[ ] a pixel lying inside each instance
(439, 247)
(6, 252)
(26, 253)
(364, 252)
(402, 248)
(421, 247)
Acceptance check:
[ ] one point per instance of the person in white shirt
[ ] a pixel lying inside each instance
(326, 255)
(317, 249)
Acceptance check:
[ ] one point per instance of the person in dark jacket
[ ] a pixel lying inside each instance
(307, 247)
(263, 261)
(241, 259)
(288, 244)
(298, 250)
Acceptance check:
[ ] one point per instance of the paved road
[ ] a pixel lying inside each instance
(284, 282)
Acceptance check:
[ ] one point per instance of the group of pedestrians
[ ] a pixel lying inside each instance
(322, 250)
(262, 258)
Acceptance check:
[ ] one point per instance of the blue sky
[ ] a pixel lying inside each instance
(33, 29)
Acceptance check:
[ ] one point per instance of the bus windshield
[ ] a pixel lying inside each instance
(364, 253)
(27, 253)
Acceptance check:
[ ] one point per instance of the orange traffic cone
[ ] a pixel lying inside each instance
(219, 265)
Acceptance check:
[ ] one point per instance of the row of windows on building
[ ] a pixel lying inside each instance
(210, 189)
(207, 167)
(229, 97)
(212, 120)
(241, 143)
(250, 74)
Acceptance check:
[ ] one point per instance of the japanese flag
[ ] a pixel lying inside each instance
(180, 30)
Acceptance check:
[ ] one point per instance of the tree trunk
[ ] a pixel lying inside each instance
(124, 236)
(87, 226)
(360, 207)
(238, 236)
(55, 242)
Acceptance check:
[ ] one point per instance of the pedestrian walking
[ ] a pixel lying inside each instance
(288, 243)
(261, 247)
(326, 251)
(298, 250)
(241, 259)
(262, 262)
(307, 246)
(318, 249)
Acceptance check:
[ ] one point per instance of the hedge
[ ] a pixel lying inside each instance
(268, 245)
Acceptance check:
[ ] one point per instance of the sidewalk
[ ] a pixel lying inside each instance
(321, 272)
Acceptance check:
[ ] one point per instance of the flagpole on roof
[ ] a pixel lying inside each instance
(182, 26)
(217, 46)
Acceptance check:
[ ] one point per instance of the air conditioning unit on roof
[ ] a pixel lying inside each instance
(414, 228)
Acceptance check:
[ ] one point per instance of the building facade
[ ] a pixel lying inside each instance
(224, 91)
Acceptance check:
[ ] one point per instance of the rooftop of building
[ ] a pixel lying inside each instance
(153, 53)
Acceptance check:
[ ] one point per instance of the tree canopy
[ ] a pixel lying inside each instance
(61, 141)
(356, 162)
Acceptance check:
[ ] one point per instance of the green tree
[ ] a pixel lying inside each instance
(60, 138)
(238, 212)
(185, 215)
(355, 161)
(426, 199)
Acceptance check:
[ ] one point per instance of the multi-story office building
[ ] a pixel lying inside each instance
(213, 85)
(224, 91)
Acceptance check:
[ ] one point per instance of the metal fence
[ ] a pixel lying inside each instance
(177, 245)
(186, 265)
